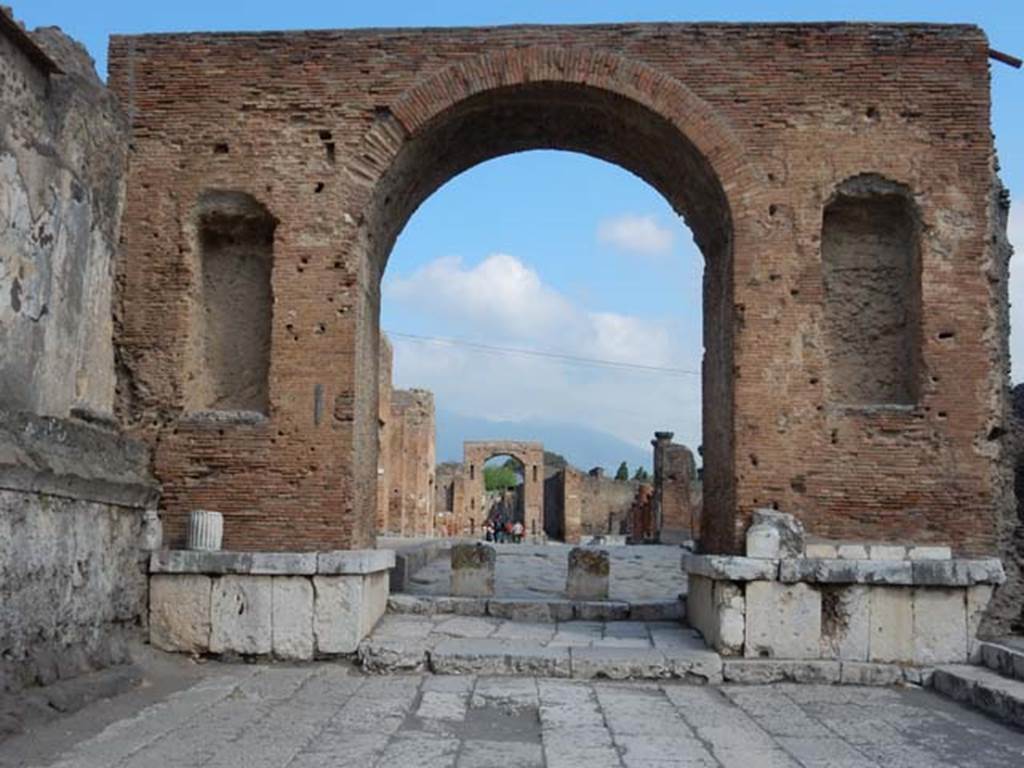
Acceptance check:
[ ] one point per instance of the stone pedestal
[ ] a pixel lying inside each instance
(289, 605)
(915, 611)
(588, 574)
(473, 570)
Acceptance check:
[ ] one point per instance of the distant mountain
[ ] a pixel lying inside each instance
(584, 448)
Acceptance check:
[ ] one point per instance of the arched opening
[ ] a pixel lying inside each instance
(603, 124)
(504, 502)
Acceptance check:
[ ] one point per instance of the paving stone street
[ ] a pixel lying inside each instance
(524, 570)
(333, 716)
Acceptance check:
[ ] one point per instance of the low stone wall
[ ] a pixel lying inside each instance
(290, 605)
(76, 520)
(895, 611)
(413, 557)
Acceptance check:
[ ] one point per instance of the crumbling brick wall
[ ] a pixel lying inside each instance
(412, 459)
(749, 131)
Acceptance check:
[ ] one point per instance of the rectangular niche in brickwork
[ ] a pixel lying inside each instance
(872, 277)
(228, 359)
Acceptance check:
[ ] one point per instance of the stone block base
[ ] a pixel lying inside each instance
(917, 613)
(289, 606)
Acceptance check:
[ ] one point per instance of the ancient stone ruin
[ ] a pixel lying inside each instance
(190, 320)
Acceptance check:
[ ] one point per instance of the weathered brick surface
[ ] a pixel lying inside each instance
(748, 130)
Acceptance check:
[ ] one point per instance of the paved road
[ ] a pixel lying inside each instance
(647, 572)
(331, 716)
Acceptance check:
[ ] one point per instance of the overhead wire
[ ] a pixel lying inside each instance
(547, 354)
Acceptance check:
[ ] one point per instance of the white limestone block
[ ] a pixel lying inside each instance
(845, 626)
(179, 612)
(892, 625)
(783, 621)
(887, 552)
(240, 615)
(821, 550)
(763, 542)
(292, 628)
(731, 610)
(790, 529)
(930, 553)
(940, 626)
(337, 612)
(978, 598)
(852, 552)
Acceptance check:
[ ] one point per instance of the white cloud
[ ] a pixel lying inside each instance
(503, 302)
(636, 234)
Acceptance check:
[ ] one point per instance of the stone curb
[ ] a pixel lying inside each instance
(817, 672)
(926, 573)
(984, 689)
(335, 563)
(1007, 661)
(542, 611)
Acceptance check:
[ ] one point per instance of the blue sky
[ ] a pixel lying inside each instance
(612, 275)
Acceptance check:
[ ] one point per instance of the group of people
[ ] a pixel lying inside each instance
(503, 531)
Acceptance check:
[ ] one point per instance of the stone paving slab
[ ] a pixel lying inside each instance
(330, 715)
(541, 609)
(618, 650)
(637, 573)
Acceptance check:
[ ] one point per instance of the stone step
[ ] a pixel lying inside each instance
(1005, 656)
(999, 696)
(540, 609)
(580, 649)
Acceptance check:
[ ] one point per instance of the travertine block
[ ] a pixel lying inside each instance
(179, 612)
(887, 552)
(716, 609)
(473, 570)
(588, 573)
(845, 622)
(337, 613)
(892, 625)
(930, 553)
(292, 617)
(978, 598)
(240, 615)
(821, 550)
(940, 626)
(852, 552)
(790, 530)
(783, 621)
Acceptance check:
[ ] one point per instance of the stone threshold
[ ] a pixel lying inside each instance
(330, 563)
(518, 657)
(540, 609)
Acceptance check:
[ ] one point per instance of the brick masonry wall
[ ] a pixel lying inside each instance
(747, 129)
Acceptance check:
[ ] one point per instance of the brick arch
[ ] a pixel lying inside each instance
(427, 103)
(591, 101)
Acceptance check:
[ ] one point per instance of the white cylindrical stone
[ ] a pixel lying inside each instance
(763, 541)
(205, 530)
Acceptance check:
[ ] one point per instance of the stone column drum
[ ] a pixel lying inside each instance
(588, 574)
(205, 530)
(473, 570)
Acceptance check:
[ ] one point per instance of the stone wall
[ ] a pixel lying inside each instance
(63, 147)
(77, 501)
(74, 539)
